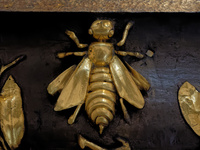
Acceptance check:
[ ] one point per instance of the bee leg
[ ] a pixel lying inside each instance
(85, 143)
(128, 26)
(126, 115)
(135, 54)
(62, 55)
(74, 115)
(73, 36)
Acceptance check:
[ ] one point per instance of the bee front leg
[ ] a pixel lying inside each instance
(72, 35)
(62, 55)
(128, 26)
(126, 115)
(74, 115)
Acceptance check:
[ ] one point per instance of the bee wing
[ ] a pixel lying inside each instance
(140, 81)
(58, 84)
(74, 91)
(124, 83)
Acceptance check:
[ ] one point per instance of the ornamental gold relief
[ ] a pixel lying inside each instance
(189, 101)
(83, 143)
(99, 78)
(11, 112)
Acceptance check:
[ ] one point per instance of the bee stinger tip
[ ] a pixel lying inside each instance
(101, 128)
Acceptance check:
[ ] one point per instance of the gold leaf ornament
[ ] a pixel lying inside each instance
(11, 113)
(189, 101)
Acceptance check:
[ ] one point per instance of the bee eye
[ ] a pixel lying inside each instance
(107, 24)
(98, 23)
(95, 24)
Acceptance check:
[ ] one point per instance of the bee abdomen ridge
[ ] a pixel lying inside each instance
(101, 97)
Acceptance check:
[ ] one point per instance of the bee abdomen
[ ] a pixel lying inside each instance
(101, 77)
(101, 99)
(102, 94)
(100, 102)
(101, 85)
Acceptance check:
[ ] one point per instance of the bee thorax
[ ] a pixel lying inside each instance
(101, 53)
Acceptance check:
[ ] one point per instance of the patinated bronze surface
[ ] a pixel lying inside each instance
(173, 37)
(101, 5)
(99, 77)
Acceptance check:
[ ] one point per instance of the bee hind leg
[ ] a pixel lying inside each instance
(74, 115)
(126, 115)
(85, 143)
(125, 144)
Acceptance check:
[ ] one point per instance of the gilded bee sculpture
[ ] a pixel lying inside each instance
(99, 78)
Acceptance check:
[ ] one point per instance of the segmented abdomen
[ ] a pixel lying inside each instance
(101, 97)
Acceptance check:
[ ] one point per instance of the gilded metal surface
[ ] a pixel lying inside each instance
(58, 84)
(98, 85)
(140, 81)
(99, 78)
(150, 53)
(189, 100)
(9, 120)
(4, 67)
(100, 53)
(75, 89)
(102, 30)
(3, 144)
(124, 83)
(125, 34)
(62, 55)
(101, 5)
(85, 143)
(11, 113)
(75, 39)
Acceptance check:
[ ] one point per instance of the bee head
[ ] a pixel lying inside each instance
(102, 29)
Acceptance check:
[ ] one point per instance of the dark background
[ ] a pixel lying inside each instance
(175, 39)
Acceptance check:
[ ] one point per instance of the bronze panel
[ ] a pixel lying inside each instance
(173, 37)
(100, 5)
